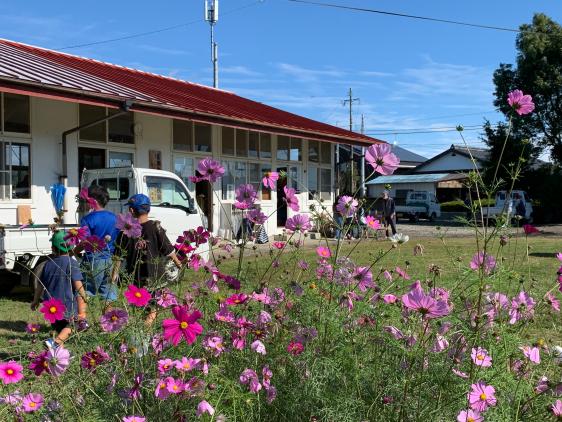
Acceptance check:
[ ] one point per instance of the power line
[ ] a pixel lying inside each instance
(421, 119)
(404, 15)
(425, 128)
(422, 132)
(155, 31)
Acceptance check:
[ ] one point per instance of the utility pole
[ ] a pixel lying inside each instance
(350, 100)
(212, 16)
(362, 191)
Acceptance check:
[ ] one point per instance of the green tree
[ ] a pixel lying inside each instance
(538, 71)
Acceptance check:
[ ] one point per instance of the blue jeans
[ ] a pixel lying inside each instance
(338, 219)
(97, 276)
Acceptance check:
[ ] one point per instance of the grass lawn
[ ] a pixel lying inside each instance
(452, 256)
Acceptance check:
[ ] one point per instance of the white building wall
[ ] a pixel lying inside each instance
(376, 191)
(449, 162)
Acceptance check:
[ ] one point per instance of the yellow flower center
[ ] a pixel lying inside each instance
(92, 362)
(162, 385)
(175, 388)
(236, 300)
(45, 364)
(114, 318)
(186, 365)
(480, 357)
(184, 325)
(32, 404)
(483, 396)
(166, 366)
(137, 294)
(470, 419)
(10, 371)
(53, 309)
(33, 329)
(219, 345)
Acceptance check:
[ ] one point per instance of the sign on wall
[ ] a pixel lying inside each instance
(155, 159)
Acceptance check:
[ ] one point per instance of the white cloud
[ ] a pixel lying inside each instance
(238, 70)
(303, 74)
(163, 50)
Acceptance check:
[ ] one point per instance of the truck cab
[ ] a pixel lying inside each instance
(419, 204)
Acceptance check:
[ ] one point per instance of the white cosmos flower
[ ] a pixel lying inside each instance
(399, 238)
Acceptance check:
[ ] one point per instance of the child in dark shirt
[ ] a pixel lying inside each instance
(61, 279)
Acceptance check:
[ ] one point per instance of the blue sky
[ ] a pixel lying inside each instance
(408, 74)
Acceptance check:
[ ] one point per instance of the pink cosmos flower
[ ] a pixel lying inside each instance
(204, 407)
(559, 256)
(246, 196)
(133, 419)
(402, 273)
(395, 332)
(347, 206)
(53, 310)
(57, 360)
(94, 244)
(174, 386)
(531, 353)
(521, 103)
(522, 307)
(137, 296)
(387, 275)
(113, 320)
(186, 364)
(258, 347)
(557, 408)
(269, 179)
(372, 222)
(214, 344)
(389, 299)
(460, 373)
(428, 307)
(39, 363)
(542, 385)
(210, 170)
(469, 415)
(299, 222)
(295, 348)
(165, 298)
(278, 245)
(552, 301)
(363, 277)
(32, 402)
(291, 199)
(441, 343)
(129, 225)
(257, 217)
(481, 396)
(165, 365)
(92, 203)
(486, 262)
(530, 229)
(382, 159)
(323, 252)
(32, 328)
(91, 360)
(185, 324)
(480, 357)
(237, 299)
(161, 390)
(75, 235)
(10, 372)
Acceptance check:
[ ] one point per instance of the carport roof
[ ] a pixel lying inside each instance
(414, 178)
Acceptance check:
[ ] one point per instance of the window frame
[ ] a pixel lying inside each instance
(20, 135)
(11, 200)
(107, 143)
(192, 139)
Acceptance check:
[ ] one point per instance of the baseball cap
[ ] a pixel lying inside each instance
(58, 241)
(139, 202)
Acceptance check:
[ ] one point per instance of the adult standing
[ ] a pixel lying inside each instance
(338, 218)
(97, 265)
(388, 212)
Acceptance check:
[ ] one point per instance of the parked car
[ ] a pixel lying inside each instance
(419, 204)
(23, 251)
(509, 208)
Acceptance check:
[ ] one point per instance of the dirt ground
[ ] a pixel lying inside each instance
(426, 229)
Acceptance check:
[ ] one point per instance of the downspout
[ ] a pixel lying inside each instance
(124, 107)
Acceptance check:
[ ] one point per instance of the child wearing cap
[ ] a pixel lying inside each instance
(145, 257)
(61, 279)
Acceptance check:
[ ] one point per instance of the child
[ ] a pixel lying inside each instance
(144, 256)
(97, 265)
(61, 279)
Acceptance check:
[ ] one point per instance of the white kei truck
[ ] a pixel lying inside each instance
(419, 204)
(23, 251)
(509, 208)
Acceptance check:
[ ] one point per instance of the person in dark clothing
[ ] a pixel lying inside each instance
(388, 212)
(338, 218)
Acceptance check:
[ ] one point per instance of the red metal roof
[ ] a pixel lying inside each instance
(43, 71)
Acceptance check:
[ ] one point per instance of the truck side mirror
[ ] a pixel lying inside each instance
(191, 209)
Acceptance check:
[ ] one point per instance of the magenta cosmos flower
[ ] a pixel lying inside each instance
(32, 328)
(531, 353)
(298, 223)
(237, 299)
(32, 402)
(91, 360)
(204, 407)
(480, 357)
(57, 360)
(129, 225)
(257, 217)
(53, 310)
(469, 415)
(522, 307)
(137, 296)
(481, 396)
(521, 103)
(363, 278)
(94, 244)
(10, 372)
(530, 229)
(184, 325)
(323, 252)
(295, 348)
(92, 203)
(270, 178)
(485, 261)
(372, 222)
(246, 195)
(557, 408)
(210, 170)
(347, 206)
(427, 306)
(114, 320)
(75, 235)
(382, 159)
(552, 301)
(133, 419)
(291, 199)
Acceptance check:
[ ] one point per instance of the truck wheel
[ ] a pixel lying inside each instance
(9, 281)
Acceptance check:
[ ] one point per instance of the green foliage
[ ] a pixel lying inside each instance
(460, 206)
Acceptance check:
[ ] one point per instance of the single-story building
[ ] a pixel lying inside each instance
(456, 159)
(61, 113)
(408, 160)
(446, 186)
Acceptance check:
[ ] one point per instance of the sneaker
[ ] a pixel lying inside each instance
(51, 344)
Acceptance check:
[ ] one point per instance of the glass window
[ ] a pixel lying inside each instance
(234, 175)
(203, 137)
(265, 145)
(227, 140)
(88, 114)
(265, 191)
(313, 151)
(90, 158)
(15, 172)
(296, 149)
(118, 189)
(164, 191)
(326, 184)
(293, 178)
(121, 129)
(120, 159)
(182, 134)
(326, 153)
(184, 168)
(283, 148)
(312, 181)
(253, 144)
(16, 113)
(254, 175)
(241, 143)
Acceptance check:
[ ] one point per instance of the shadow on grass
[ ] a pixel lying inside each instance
(18, 326)
(542, 254)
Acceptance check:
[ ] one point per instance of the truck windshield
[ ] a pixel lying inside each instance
(164, 191)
